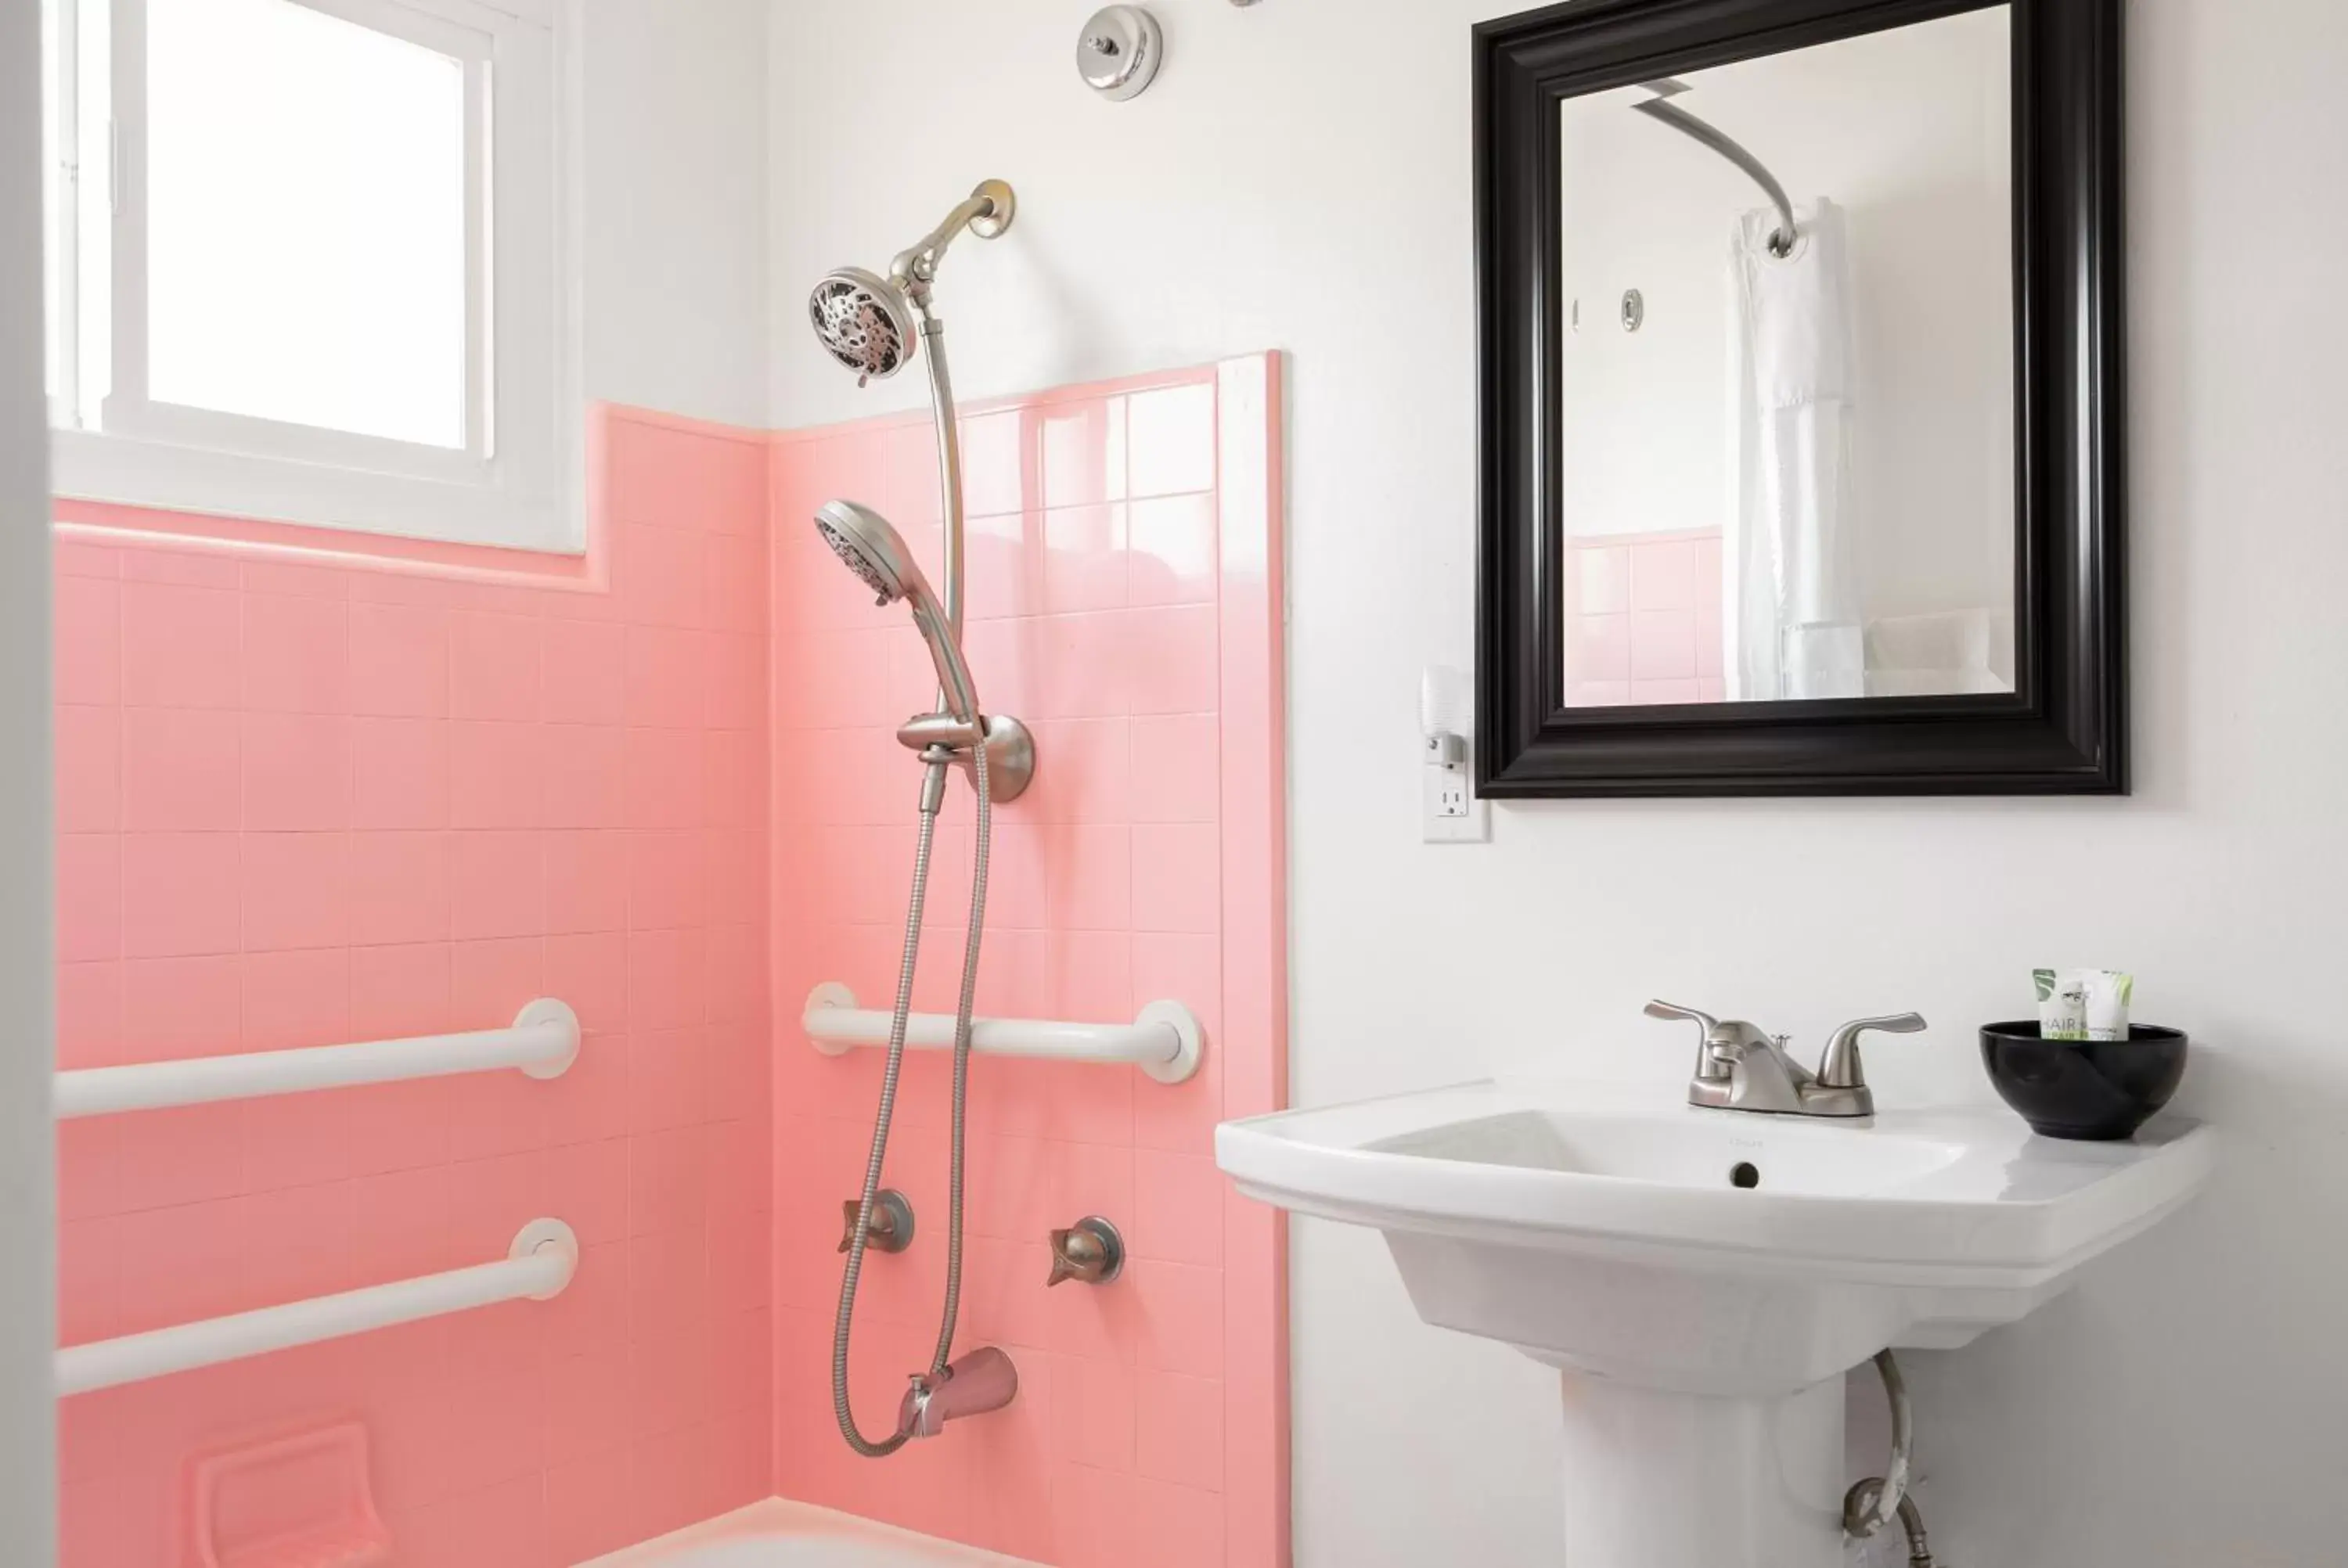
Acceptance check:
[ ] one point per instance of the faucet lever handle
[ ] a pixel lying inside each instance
(1840, 1068)
(1664, 1009)
(1711, 1066)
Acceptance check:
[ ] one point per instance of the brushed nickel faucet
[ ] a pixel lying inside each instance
(1739, 1068)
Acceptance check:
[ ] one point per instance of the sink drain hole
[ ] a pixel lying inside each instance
(1745, 1173)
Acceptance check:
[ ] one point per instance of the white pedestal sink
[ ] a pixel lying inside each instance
(1704, 1279)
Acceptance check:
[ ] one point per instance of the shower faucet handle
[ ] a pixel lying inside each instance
(1090, 1252)
(891, 1226)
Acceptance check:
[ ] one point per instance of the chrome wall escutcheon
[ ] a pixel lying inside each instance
(1120, 51)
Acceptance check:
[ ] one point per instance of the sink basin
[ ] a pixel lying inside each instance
(1704, 1277)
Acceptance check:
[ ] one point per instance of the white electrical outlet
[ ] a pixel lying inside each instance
(1449, 812)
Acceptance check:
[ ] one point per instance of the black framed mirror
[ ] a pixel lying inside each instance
(1800, 398)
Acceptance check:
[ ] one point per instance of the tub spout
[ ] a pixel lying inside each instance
(982, 1380)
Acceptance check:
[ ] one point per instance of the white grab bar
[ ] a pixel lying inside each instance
(543, 1043)
(544, 1256)
(1165, 1042)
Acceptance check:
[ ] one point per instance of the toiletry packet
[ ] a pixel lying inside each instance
(2084, 1004)
(2061, 1005)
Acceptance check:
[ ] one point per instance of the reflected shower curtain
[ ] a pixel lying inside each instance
(1791, 616)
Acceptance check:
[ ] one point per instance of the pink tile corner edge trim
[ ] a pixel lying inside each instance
(1253, 715)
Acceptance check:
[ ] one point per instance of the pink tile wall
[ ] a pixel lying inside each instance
(1643, 619)
(1124, 600)
(305, 798)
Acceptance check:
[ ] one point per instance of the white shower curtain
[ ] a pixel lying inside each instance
(1791, 618)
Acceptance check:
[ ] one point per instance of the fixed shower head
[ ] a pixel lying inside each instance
(863, 321)
(877, 553)
(866, 321)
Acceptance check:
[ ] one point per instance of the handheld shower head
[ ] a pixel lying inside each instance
(877, 553)
(863, 321)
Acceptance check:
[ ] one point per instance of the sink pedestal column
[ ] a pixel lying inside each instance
(1660, 1479)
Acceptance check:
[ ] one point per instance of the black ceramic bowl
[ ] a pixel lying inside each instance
(2099, 1089)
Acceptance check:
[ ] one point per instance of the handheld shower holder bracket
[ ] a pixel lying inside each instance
(1010, 749)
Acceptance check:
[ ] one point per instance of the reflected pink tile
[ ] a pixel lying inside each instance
(1664, 576)
(1602, 578)
(1663, 645)
(1598, 648)
(1597, 694)
(1712, 690)
(1658, 693)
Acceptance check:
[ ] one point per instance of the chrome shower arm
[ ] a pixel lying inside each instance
(987, 212)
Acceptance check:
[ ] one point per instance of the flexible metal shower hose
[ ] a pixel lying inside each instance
(897, 1021)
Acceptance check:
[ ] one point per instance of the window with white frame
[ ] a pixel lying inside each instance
(309, 262)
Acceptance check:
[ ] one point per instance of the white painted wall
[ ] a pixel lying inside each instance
(27, 1200)
(674, 200)
(1298, 180)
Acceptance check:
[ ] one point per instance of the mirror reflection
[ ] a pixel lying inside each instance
(1787, 421)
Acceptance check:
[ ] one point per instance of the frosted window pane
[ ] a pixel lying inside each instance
(306, 221)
